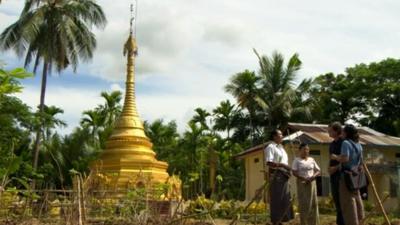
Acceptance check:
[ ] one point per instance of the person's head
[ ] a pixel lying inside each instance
(351, 132)
(335, 130)
(304, 150)
(276, 136)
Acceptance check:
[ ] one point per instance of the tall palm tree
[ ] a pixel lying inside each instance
(279, 94)
(56, 34)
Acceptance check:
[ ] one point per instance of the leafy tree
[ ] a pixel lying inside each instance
(9, 80)
(165, 139)
(56, 34)
(379, 85)
(365, 93)
(16, 121)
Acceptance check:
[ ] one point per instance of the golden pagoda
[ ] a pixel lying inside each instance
(128, 159)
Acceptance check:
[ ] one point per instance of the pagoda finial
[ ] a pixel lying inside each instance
(130, 46)
(131, 21)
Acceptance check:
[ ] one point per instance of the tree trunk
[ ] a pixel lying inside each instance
(41, 111)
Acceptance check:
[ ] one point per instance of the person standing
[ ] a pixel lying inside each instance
(279, 174)
(305, 169)
(335, 132)
(350, 157)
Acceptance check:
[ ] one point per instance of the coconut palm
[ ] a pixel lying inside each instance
(279, 94)
(56, 34)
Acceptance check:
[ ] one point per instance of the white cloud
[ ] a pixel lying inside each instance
(116, 87)
(72, 101)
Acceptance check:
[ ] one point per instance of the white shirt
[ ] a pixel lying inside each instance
(305, 167)
(276, 153)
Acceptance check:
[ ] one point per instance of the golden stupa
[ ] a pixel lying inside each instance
(128, 159)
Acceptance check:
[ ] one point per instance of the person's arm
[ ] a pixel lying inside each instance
(333, 169)
(344, 153)
(317, 171)
(340, 158)
(278, 165)
(296, 174)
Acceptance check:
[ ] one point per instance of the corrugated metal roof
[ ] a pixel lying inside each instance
(368, 136)
(251, 150)
(318, 134)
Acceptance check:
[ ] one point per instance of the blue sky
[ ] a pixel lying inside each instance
(189, 49)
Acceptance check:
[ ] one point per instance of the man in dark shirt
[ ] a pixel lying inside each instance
(335, 132)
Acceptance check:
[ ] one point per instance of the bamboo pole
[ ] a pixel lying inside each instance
(82, 196)
(80, 221)
(376, 193)
(375, 208)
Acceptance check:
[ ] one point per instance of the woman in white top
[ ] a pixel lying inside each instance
(279, 173)
(305, 169)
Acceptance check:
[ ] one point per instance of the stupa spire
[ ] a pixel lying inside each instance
(128, 152)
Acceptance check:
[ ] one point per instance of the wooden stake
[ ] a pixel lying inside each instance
(376, 194)
(375, 208)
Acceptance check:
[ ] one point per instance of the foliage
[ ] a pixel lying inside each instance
(203, 155)
(57, 34)
(9, 80)
(367, 94)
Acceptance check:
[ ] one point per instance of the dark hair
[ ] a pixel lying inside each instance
(337, 127)
(274, 133)
(351, 132)
(302, 145)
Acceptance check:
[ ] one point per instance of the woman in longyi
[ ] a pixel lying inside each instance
(305, 169)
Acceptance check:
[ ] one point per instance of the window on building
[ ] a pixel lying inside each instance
(398, 157)
(315, 152)
(256, 160)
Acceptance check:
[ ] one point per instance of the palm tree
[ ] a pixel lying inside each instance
(225, 115)
(279, 94)
(93, 120)
(243, 86)
(56, 34)
(201, 118)
(51, 121)
(112, 107)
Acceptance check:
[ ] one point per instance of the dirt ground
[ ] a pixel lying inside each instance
(324, 220)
